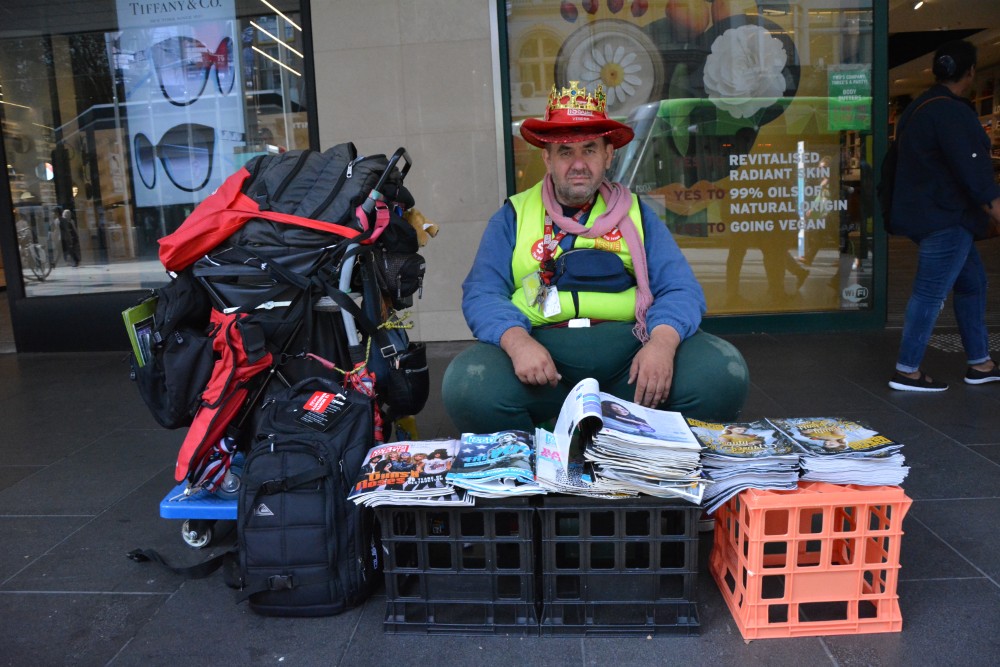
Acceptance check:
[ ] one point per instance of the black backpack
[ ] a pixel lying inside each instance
(887, 173)
(303, 548)
(887, 184)
(172, 380)
(326, 185)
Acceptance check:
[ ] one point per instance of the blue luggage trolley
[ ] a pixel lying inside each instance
(200, 511)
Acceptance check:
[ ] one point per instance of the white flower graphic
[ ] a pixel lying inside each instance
(615, 68)
(743, 71)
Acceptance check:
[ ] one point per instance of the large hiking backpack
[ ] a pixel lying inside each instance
(294, 188)
(269, 245)
(304, 549)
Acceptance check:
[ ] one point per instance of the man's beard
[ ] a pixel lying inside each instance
(576, 195)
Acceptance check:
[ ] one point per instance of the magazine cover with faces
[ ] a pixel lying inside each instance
(409, 472)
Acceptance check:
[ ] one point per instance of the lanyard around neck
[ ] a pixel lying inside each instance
(550, 242)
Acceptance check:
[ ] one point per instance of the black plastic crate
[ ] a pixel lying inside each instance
(461, 570)
(618, 567)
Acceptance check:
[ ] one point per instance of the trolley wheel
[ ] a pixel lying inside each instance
(197, 534)
(231, 483)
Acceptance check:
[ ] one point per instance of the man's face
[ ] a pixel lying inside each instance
(577, 169)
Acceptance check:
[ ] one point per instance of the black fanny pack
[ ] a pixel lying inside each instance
(591, 270)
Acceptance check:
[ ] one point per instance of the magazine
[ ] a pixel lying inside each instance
(495, 465)
(411, 472)
(832, 436)
(559, 470)
(742, 440)
(842, 451)
(630, 448)
(744, 455)
(139, 326)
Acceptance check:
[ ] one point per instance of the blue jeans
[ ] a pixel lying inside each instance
(948, 261)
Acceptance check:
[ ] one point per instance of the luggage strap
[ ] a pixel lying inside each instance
(279, 582)
(197, 571)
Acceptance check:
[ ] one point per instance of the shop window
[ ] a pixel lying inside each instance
(753, 135)
(114, 132)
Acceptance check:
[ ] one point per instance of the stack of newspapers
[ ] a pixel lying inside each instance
(495, 465)
(646, 451)
(559, 469)
(626, 449)
(744, 455)
(841, 451)
(410, 472)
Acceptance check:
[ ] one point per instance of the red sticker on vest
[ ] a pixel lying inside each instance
(536, 251)
(318, 402)
(613, 235)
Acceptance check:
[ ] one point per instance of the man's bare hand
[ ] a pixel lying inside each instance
(652, 369)
(532, 362)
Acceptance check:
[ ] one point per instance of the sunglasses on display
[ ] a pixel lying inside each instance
(186, 152)
(182, 66)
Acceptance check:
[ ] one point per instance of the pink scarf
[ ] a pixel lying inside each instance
(618, 200)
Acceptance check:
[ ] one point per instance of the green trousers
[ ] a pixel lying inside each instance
(481, 393)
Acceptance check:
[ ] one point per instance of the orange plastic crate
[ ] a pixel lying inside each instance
(820, 560)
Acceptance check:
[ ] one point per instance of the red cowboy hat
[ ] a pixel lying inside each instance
(574, 115)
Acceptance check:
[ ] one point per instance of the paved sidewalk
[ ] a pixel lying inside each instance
(83, 468)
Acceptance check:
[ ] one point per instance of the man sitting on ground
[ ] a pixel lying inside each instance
(625, 311)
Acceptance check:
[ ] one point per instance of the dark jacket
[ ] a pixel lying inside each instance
(945, 171)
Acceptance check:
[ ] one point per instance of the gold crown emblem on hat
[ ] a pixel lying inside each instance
(576, 97)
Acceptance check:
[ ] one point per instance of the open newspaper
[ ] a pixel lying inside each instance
(629, 448)
(411, 472)
(842, 451)
(744, 455)
(495, 465)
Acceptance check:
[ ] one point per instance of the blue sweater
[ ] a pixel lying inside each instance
(677, 297)
(945, 171)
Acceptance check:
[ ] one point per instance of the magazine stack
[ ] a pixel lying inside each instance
(738, 456)
(646, 450)
(841, 451)
(560, 469)
(495, 465)
(409, 473)
(631, 449)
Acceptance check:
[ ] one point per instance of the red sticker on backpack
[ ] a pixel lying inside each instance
(318, 402)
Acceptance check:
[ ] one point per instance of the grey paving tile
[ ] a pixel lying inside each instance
(759, 404)
(70, 628)
(991, 452)
(941, 469)
(969, 527)
(93, 558)
(12, 474)
(27, 539)
(202, 624)
(968, 414)
(94, 476)
(481, 650)
(945, 622)
(925, 555)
